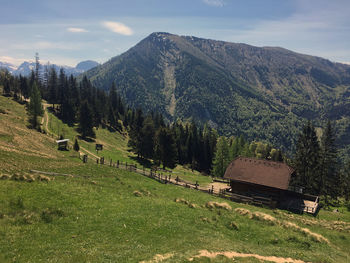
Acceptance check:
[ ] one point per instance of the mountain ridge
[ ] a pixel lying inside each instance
(262, 92)
(26, 67)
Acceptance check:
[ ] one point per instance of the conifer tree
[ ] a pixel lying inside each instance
(37, 69)
(345, 181)
(23, 86)
(147, 139)
(7, 87)
(135, 141)
(307, 160)
(52, 87)
(165, 147)
(111, 118)
(234, 149)
(113, 98)
(329, 175)
(221, 158)
(35, 108)
(76, 146)
(86, 120)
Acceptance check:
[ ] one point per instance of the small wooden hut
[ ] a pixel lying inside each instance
(62, 145)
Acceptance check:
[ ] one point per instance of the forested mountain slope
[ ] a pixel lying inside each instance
(264, 93)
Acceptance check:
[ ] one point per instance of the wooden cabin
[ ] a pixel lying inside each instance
(62, 145)
(267, 182)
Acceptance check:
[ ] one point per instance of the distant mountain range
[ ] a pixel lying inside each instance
(264, 93)
(26, 67)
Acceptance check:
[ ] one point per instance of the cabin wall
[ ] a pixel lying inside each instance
(254, 189)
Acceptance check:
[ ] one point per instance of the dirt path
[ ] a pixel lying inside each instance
(217, 186)
(87, 151)
(233, 255)
(46, 117)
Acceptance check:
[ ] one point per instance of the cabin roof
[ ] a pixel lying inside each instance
(262, 172)
(61, 141)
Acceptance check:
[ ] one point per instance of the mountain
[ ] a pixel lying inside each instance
(26, 67)
(264, 93)
(8, 66)
(86, 65)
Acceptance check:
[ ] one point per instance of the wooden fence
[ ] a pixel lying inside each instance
(160, 175)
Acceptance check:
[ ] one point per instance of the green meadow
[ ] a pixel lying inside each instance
(105, 214)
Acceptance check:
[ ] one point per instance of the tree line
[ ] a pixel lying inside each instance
(317, 165)
(87, 107)
(315, 161)
(227, 149)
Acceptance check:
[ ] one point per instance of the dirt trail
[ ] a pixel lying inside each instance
(233, 255)
(87, 151)
(215, 185)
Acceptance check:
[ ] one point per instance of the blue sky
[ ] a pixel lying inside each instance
(67, 32)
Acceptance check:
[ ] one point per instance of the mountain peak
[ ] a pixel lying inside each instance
(225, 84)
(160, 34)
(86, 65)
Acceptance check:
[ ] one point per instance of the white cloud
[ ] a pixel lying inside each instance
(76, 30)
(118, 28)
(218, 3)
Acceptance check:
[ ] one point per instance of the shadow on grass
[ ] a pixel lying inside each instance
(87, 139)
(144, 162)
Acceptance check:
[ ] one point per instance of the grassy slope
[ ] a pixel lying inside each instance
(115, 148)
(99, 219)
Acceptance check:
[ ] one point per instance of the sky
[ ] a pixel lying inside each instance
(66, 32)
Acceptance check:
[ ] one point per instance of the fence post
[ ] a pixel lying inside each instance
(117, 163)
(97, 161)
(212, 189)
(110, 163)
(177, 179)
(196, 185)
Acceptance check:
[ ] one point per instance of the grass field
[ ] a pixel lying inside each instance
(104, 214)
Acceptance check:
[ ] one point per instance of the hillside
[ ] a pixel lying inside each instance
(103, 214)
(264, 93)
